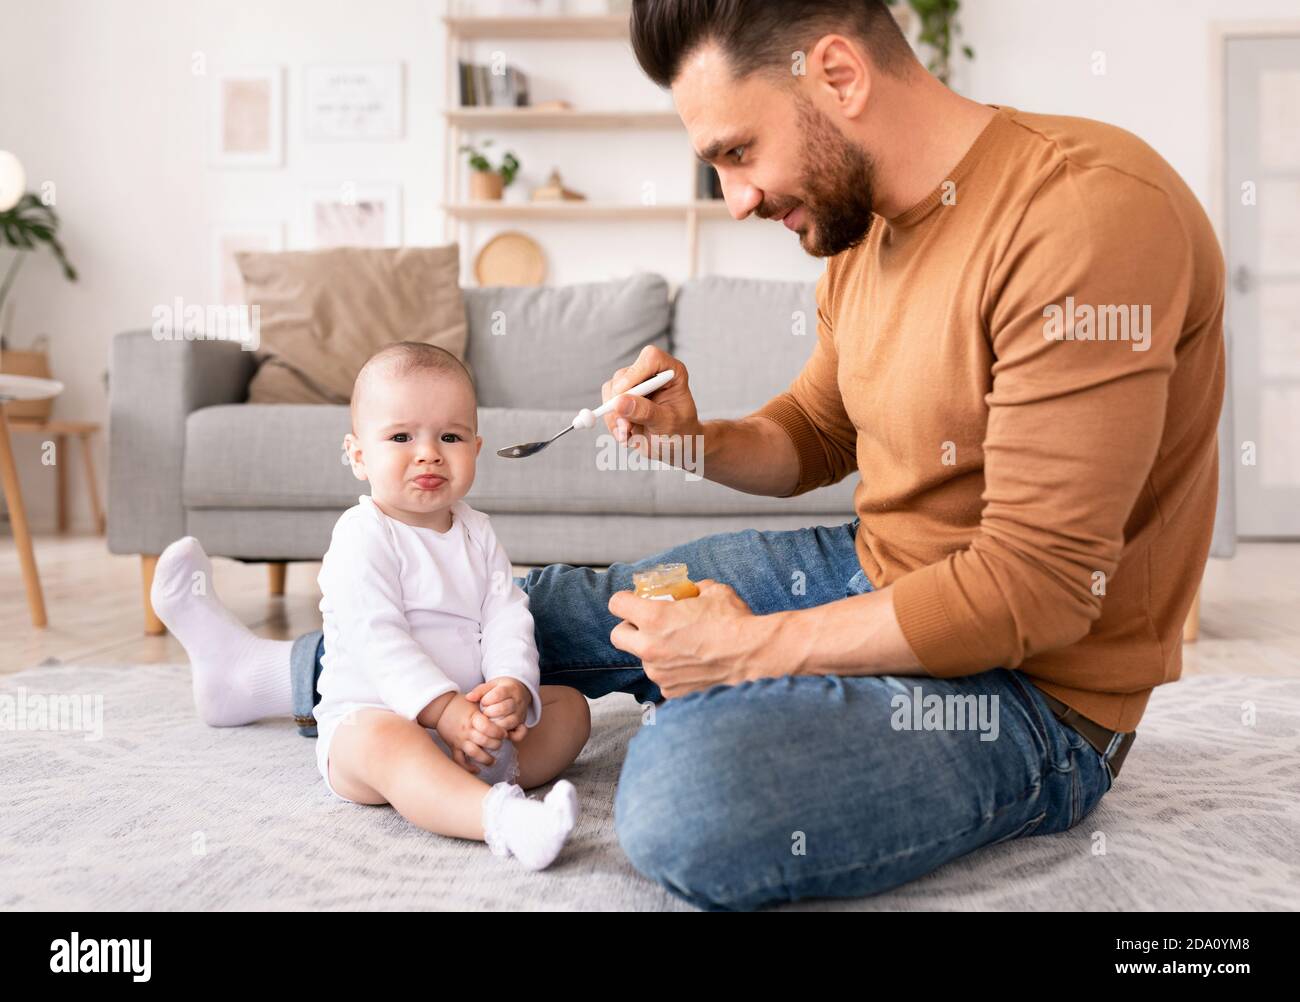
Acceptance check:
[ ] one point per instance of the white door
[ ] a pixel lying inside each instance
(1263, 256)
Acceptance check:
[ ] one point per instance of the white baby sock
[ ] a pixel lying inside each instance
(238, 677)
(533, 831)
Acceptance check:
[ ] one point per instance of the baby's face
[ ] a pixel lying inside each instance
(414, 440)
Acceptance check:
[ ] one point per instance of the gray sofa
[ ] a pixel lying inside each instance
(267, 482)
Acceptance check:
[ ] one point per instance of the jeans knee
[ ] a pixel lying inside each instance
(681, 841)
(642, 820)
(647, 820)
(675, 852)
(643, 832)
(660, 845)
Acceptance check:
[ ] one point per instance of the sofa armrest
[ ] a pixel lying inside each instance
(153, 387)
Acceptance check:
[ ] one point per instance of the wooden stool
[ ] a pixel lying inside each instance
(22, 388)
(59, 431)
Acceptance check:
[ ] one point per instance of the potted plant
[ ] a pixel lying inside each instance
(25, 226)
(487, 183)
(939, 29)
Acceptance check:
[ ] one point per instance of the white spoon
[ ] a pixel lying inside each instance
(586, 418)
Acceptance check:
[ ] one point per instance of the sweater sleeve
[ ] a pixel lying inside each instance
(361, 580)
(509, 646)
(812, 411)
(1073, 423)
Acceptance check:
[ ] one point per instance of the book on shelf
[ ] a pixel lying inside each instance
(481, 88)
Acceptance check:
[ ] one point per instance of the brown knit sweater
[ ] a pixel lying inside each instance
(1027, 369)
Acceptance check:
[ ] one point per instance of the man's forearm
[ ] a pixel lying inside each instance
(753, 455)
(854, 636)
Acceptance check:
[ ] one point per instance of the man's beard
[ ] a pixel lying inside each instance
(837, 198)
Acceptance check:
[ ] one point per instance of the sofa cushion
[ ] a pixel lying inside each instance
(587, 472)
(565, 478)
(323, 313)
(268, 456)
(740, 340)
(553, 347)
(290, 456)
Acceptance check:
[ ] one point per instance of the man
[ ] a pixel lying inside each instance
(1019, 346)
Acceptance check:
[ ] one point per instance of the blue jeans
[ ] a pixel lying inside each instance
(785, 788)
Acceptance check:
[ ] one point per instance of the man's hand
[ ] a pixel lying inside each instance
(714, 639)
(653, 427)
(468, 733)
(505, 702)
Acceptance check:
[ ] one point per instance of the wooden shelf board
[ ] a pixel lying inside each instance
(589, 26)
(525, 118)
(705, 209)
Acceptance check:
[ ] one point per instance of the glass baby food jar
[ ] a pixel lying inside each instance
(665, 582)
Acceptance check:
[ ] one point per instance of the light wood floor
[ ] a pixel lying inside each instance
(1250, 609)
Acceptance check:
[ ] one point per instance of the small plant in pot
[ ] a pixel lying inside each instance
(26, 225)
(487, 183)
(938, 33)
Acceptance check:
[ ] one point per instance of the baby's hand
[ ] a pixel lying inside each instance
(468, 733)
(505, 701)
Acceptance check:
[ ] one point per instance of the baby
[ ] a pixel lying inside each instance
(430, 695)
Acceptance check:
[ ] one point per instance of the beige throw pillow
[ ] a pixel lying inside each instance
(323, 313)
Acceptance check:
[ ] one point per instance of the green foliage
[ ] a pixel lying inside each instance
(25, 227)
(508, 168)
(939, 29)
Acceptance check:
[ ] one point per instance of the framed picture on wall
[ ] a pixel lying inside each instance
(352, 215)
(353, 102)
(248, 117)
(229, 239)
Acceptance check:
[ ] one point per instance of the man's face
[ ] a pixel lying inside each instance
(776, 153)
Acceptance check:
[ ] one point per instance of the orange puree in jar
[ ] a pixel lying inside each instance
(666, 582)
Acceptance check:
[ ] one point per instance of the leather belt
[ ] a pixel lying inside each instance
(1099, 737)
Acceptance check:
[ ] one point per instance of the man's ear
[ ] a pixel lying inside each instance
(352, 450)
(843, 73)
(479, 447)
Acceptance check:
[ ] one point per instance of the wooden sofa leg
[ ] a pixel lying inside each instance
(1192, 625)
(153, 626)
(277, 574)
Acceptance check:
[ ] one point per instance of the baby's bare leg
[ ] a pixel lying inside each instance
(553, 745)
(383, 758)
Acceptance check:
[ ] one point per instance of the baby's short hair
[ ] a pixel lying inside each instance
(401, 358)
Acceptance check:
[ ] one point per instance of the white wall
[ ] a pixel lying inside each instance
(99, 97)
(1037, 55)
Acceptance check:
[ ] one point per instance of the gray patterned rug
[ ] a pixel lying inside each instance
(162, 812)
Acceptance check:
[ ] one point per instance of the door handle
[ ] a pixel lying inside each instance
(1243, 281)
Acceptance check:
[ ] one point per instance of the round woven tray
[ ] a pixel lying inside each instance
(510, 258)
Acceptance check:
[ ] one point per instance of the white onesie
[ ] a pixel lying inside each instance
(412, 613)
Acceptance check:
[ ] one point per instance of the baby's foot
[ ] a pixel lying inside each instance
(533, 831)
(564, 799)
(238, 677)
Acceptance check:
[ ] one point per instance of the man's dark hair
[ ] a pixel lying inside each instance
(760, 35)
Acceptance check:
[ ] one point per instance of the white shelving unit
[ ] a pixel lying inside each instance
(459, 123)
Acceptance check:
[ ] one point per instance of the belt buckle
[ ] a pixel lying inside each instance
(1121, 752)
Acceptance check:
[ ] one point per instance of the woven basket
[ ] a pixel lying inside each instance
(28, 363)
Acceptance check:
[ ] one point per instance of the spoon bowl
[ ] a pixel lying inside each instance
(525, 449)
